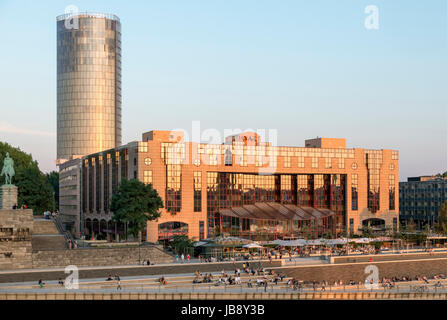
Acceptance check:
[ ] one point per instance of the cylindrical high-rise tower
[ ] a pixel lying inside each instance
(88, 84)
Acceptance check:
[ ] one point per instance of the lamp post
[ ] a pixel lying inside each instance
(139, 245)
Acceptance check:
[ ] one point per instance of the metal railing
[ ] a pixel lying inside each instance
(67, 235)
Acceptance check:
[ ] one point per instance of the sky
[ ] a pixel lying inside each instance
(304, 68)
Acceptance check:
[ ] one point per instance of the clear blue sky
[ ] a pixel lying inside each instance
(306, 68)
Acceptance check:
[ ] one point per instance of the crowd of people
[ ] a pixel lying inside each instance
(387, 283)
(233, 279)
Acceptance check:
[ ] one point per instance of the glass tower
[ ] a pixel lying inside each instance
(88, 84)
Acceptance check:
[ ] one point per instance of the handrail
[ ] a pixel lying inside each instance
(67, 235)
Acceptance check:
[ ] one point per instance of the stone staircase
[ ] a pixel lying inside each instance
(42, 226)
(46, 236)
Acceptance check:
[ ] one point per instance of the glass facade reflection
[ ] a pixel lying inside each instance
(88, 84)
(229, 190)
(373, 160)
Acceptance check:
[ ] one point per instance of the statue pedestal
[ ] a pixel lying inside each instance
(8, 197)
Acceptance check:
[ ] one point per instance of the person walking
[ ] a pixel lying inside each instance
(183, 258)
(176, 258)
(187, 257)
(119, 285)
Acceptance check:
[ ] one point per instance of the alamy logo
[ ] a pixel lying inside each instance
(71, 20)
(72, 281)
(372, 20)
(372, 280)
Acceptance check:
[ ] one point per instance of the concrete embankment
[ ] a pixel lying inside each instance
(225, 296)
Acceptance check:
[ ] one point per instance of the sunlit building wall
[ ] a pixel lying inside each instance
(246, 188)
(88, 84)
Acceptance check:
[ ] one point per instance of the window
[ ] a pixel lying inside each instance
(304, 190)
(286, 162)
(173, 153)
(354, 192)
(201, 230)
(170, 229)
(173, 188)
(147, 177)
(314, 162)
(300, 162)
(373, 159)
(286, 189)
(392, 202)
(321, 190)
(147, 161)
(197, 191)
(228, 156)
(328, 162)
(142, 146)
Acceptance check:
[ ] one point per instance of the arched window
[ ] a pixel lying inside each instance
(170, 229)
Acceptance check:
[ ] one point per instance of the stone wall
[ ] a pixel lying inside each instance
(356, 271)
(16, 250)
(99, 257)
(16, 227)
(388, 257)
(8, 196)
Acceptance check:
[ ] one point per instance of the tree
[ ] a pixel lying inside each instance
(411, 226)
(21, 159)
(367, 232)
(442, 218)
(442, 175)
(182, 244)
(34, 190)
(53, 179)
(135, 203)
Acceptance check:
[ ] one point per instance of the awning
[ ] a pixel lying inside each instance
(276, 211)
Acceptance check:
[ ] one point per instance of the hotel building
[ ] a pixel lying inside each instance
(245, 187)
(421, 199)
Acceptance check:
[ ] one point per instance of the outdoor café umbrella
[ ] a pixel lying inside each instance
(313, 242)
(252, 245)
(362, 240)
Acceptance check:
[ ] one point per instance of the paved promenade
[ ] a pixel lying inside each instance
(29, 275)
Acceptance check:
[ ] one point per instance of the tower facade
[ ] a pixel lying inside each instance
(88, 84)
